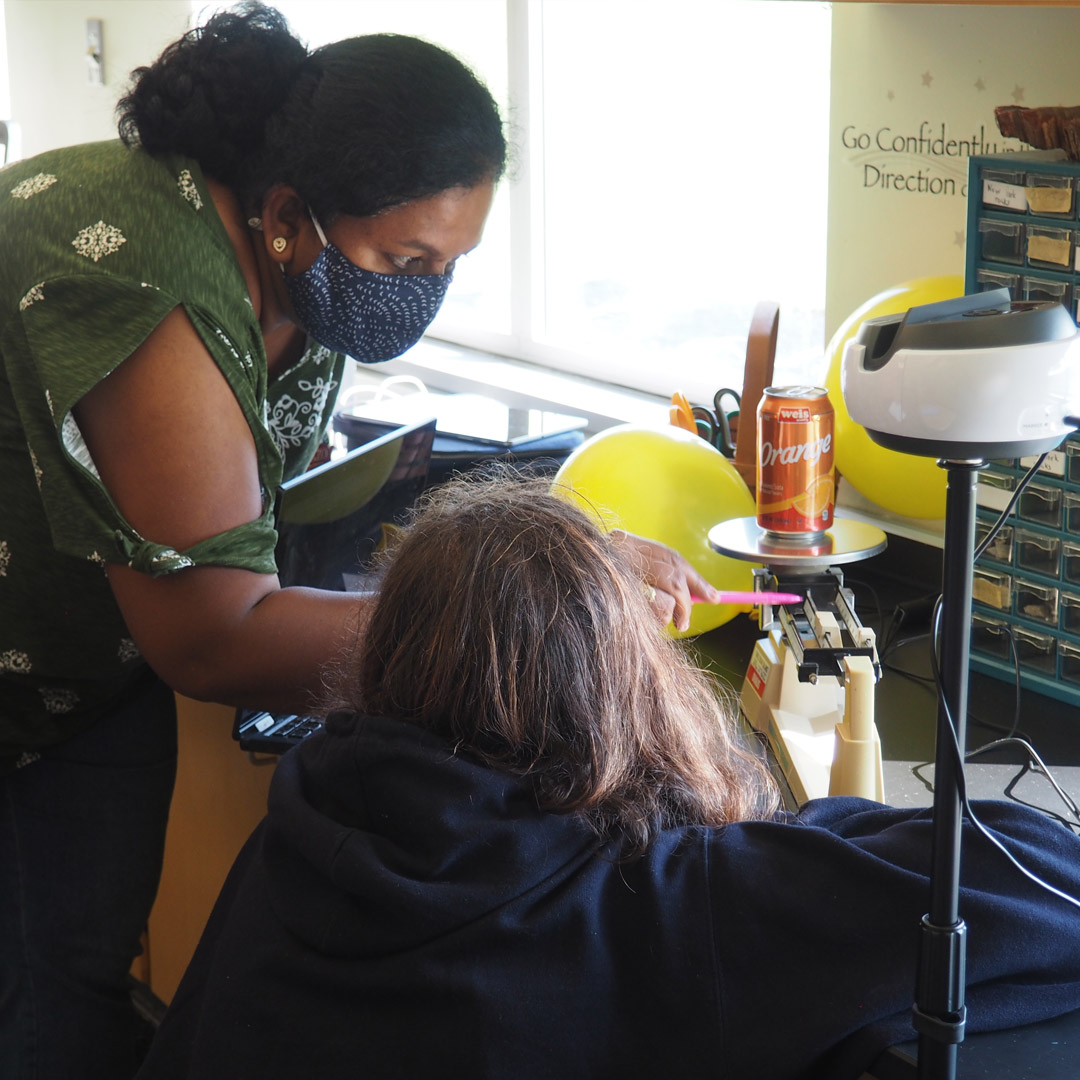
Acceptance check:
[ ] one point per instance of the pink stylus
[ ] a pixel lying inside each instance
(752, 598)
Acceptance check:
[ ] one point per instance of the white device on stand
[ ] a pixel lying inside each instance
(962, 381)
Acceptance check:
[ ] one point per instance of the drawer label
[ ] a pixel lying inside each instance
(1007, 196)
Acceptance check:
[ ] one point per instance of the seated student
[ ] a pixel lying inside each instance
(530, 845)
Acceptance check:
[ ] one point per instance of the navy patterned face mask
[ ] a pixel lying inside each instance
(368, 316)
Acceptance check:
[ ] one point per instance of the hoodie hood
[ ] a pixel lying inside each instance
(376, 868)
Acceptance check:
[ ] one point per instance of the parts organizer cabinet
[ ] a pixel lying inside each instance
(1023, 226)
(1023, 233)
(1026, 586)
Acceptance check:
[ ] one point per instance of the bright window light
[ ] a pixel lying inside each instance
(685, 179)
(669, 172)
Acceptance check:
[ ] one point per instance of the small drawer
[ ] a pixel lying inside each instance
(1045, 246)
(1070, 612)
(1036, 651)
(994, 490)
(1039, 553)
(1001, 547)
(1004, 189)
(1042, 504)
(1002, 241)
(1072, 461)
(1054, 465)
(990, 637)
(1037, 602)
(986, 280)
(1072, 512)
(1070, 661)
(1070, 562)
(992, 588)
(1041, 289)
(1049, 194)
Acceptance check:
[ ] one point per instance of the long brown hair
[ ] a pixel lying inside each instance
(509, 623)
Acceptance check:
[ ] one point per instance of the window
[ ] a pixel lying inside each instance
(5, 90)
(671, 171)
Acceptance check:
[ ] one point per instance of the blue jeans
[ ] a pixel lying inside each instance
(82, 834)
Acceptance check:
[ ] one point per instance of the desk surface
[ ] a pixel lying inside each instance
(906, 713)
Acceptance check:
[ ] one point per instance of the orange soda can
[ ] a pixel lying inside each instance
(795, 486)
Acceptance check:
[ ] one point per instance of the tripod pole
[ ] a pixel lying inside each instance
(939, 1013)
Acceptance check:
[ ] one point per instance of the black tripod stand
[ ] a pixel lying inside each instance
(939, 1013)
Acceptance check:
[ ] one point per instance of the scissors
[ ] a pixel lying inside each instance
(713, 425)
(681, 413)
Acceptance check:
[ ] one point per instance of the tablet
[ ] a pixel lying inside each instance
(332, 519)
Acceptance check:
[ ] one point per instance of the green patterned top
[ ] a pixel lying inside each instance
(100, 243)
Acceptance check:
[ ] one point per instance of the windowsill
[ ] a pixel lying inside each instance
(456, 369)
(851, 504)
(447, 368)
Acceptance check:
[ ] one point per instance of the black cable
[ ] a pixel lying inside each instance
(889, 629)
(961, 780)
(1011, 731)
(901, 615)
(893, 646)
(988, 539)
(925, 681)
(958, 754)
(1034, 764)
(1024, 770)
(856, 583)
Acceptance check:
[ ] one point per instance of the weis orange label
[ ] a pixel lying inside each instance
(795, 486)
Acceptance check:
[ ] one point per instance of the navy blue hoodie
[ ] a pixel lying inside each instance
(404, 911)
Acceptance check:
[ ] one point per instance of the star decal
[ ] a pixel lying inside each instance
(927, 78)
(1018, 94)
(980, 85)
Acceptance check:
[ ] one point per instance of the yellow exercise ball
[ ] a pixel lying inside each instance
(670, 485)
(903, 483)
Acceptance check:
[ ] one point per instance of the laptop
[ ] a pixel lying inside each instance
(331, 521)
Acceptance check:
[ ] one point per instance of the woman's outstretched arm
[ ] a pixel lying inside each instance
(175, 453)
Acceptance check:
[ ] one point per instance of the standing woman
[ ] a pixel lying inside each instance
(174, 310)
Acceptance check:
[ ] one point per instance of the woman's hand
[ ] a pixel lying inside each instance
(675, 583)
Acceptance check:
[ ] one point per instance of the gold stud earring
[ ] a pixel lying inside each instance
(279, 244)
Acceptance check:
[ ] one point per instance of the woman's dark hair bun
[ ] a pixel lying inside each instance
(382, 119)
(355, 126)
(211, 92)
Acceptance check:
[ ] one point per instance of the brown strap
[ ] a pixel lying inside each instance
(757, 374)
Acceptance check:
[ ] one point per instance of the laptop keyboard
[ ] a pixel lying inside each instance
(288, 727)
